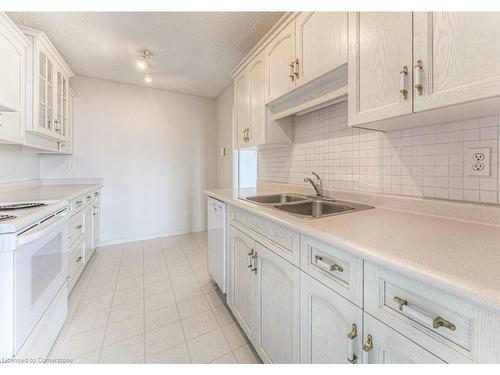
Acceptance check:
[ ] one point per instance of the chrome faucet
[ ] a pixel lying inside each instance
(318, 185)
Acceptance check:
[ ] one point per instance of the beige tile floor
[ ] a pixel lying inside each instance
(151, 302)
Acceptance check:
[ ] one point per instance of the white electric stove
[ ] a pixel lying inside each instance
(33, 272)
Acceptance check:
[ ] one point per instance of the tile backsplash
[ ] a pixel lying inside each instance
(426, 161)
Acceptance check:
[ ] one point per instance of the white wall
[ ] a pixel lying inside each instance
(17, 164)
(224, 104)
(153, 148)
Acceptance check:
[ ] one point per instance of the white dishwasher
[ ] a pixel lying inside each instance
(216, 226)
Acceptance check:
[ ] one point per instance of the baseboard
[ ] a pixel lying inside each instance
(120, 241)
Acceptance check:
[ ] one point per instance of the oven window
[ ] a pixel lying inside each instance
(45, 266)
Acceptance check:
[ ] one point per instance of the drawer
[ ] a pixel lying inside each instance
(75, 261)
(336, 268)
(439, 322)
(77, 203)
(287, 241)
(76, 227)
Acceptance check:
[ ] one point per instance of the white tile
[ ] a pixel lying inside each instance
(126, 310)
(226, 359)
(208, 347)
(233, 335)
(128, 295)
(94, 304)
(88, 322)
(177, 355)
(199, 324)
(123, 330)
(245, 355)
(89, 358)
(193, 306)
(127, 351)
(130, 283)
(215, 299)
(80, 344)
(161, 317)
(188, 291)
(163, 338)
(160, 300)
(157, 287)
(223, 315)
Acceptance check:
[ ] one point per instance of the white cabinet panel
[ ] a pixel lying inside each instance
(390, 347)
(242, 109)
(242, 282)
(380, 45)
(326, 320)
(278, 308)
(460, 55)
(257, 101)
(279, 54)
(321, 43)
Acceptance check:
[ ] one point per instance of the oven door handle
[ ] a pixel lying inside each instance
(23, 240)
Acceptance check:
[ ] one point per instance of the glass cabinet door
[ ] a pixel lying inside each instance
(64, 104)
(50, 96)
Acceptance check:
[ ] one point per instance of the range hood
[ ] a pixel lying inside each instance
(324, 91)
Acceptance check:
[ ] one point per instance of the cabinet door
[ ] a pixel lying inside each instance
(242, 283)
(12, 58)
(460, 55)
(321, 43)
(278, 308)
(61, 106)
(326, 320)
(89, 248)
(242, 109)
(46, 94)
(279, 54)
(391, 347)
(95, 225)
(256, 75)
(380, 47)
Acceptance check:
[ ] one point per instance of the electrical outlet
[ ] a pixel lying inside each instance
(478, 162)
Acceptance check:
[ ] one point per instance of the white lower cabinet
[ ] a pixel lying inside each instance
(331, 327)
(384, 345)
(241, 284)
(278, 307)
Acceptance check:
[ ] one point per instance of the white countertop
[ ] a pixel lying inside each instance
(47, 192)
(461, 257)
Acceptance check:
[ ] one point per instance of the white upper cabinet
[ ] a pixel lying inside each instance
(47, 88)
(321, 43)
(280, 59)
(12, 77)
(380, 65)
(257, 100)
(459, 54)
(330, 326)
(242, 110)
(383, 345)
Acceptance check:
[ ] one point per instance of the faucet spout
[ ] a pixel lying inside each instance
(318, 185)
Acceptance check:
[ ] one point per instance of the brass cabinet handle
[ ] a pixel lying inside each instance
(79, 259)
(250, 254)
(291, 70)
(351, 336)
(327, 266)
(419, 66)
(367, 346)
(253, 262)
(423, 317)
(296, 68)
(403, 74)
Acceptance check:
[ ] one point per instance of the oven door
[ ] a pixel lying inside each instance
(41, 268)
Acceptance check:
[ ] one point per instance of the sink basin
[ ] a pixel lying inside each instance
(277, 198)
(315, 208)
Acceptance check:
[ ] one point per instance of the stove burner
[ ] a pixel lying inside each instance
(6, 217)
(20, 206)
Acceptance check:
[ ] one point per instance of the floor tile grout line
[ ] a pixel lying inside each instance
(109, 312)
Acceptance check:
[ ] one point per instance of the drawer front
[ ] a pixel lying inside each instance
(77, 203)
(334, 267)
(287, 240)
(77, 227)
(439, 322)
(76, 260)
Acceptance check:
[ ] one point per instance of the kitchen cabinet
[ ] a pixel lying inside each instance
(96, 220)
(383, 345)
(414, 69)
(241, 284)
(459, 57)
(252, 124)
(321, 44)
(278, 307)
(380, 66)
(330, 326)
(47, 96)
(279, 60)
(12, 77)
(66, 146)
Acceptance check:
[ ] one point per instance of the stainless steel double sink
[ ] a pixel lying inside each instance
(306, 206)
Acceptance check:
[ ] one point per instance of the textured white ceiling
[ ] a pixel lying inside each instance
(193, 52)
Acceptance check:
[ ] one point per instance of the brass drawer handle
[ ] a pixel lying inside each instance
(325, 265)
(422, 317)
